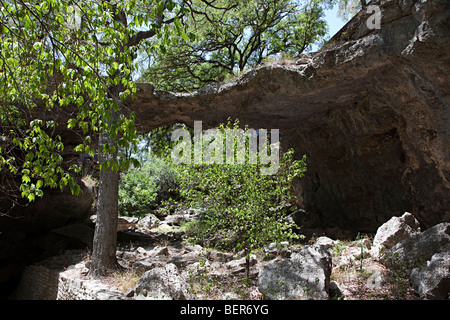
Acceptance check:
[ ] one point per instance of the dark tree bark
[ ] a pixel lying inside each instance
(105, 237)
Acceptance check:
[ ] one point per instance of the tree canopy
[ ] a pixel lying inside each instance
(218, 43)
(75, 55)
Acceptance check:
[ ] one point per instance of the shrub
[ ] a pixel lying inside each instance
(243, 205)
(143, 189)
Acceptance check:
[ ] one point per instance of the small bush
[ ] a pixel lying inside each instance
(143, 189)
(244, 206)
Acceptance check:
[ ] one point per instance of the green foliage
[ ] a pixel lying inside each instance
(161, 144)
(244, 207)
(232, 36)
(348, 8)
(77, 57)
(143, 189)
(137, 193)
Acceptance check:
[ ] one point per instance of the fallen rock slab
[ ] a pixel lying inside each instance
(304, 276)
(425, 259)
(433, 282)
(163, 283)
(394, 231)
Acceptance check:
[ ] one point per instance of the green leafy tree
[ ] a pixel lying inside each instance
(244, 206)
(348, 8)
(74, 57)
(228, 42)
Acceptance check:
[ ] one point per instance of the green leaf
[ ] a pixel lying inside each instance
(31, 197)
(71, 123)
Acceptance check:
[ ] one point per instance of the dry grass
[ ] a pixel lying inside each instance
(356, 278)
(125, 279)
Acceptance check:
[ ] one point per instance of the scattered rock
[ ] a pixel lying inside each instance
(217, 256)
(230, 296)
(161, 213)
(280, 249)
(394, 231)
(126, 223)
(425, 259)
(364, 243)
(148, 222)
(275, 247)
(433, 282)
(162, 284)
(193, 248)
(72, 286)
(177, 219)
(129, 293)
(184, 260)
(148, 264)
(325, 241)
(233, 264)
(306, 275)
(303, 60)
(338, 291)
(375, 281)
(158, 251)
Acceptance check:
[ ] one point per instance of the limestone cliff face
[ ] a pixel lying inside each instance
(371, 110)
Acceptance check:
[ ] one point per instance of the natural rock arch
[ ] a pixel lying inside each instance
(370, 110)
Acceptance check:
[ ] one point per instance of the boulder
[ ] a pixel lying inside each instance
(185, 259)
(327, 242)
(394, 231)
(148, 222)
(177, 219)
(275, 247)
(126, 223)
(240, 263)
(418, 249)
(164, 283)
(425, 259)
(433, 281)
(217, 256)
(306, 275)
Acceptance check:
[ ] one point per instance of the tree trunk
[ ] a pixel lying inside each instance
(247, 265)
(105, 237)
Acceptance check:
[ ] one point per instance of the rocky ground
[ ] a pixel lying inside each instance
(158, 262)
(153, 243)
